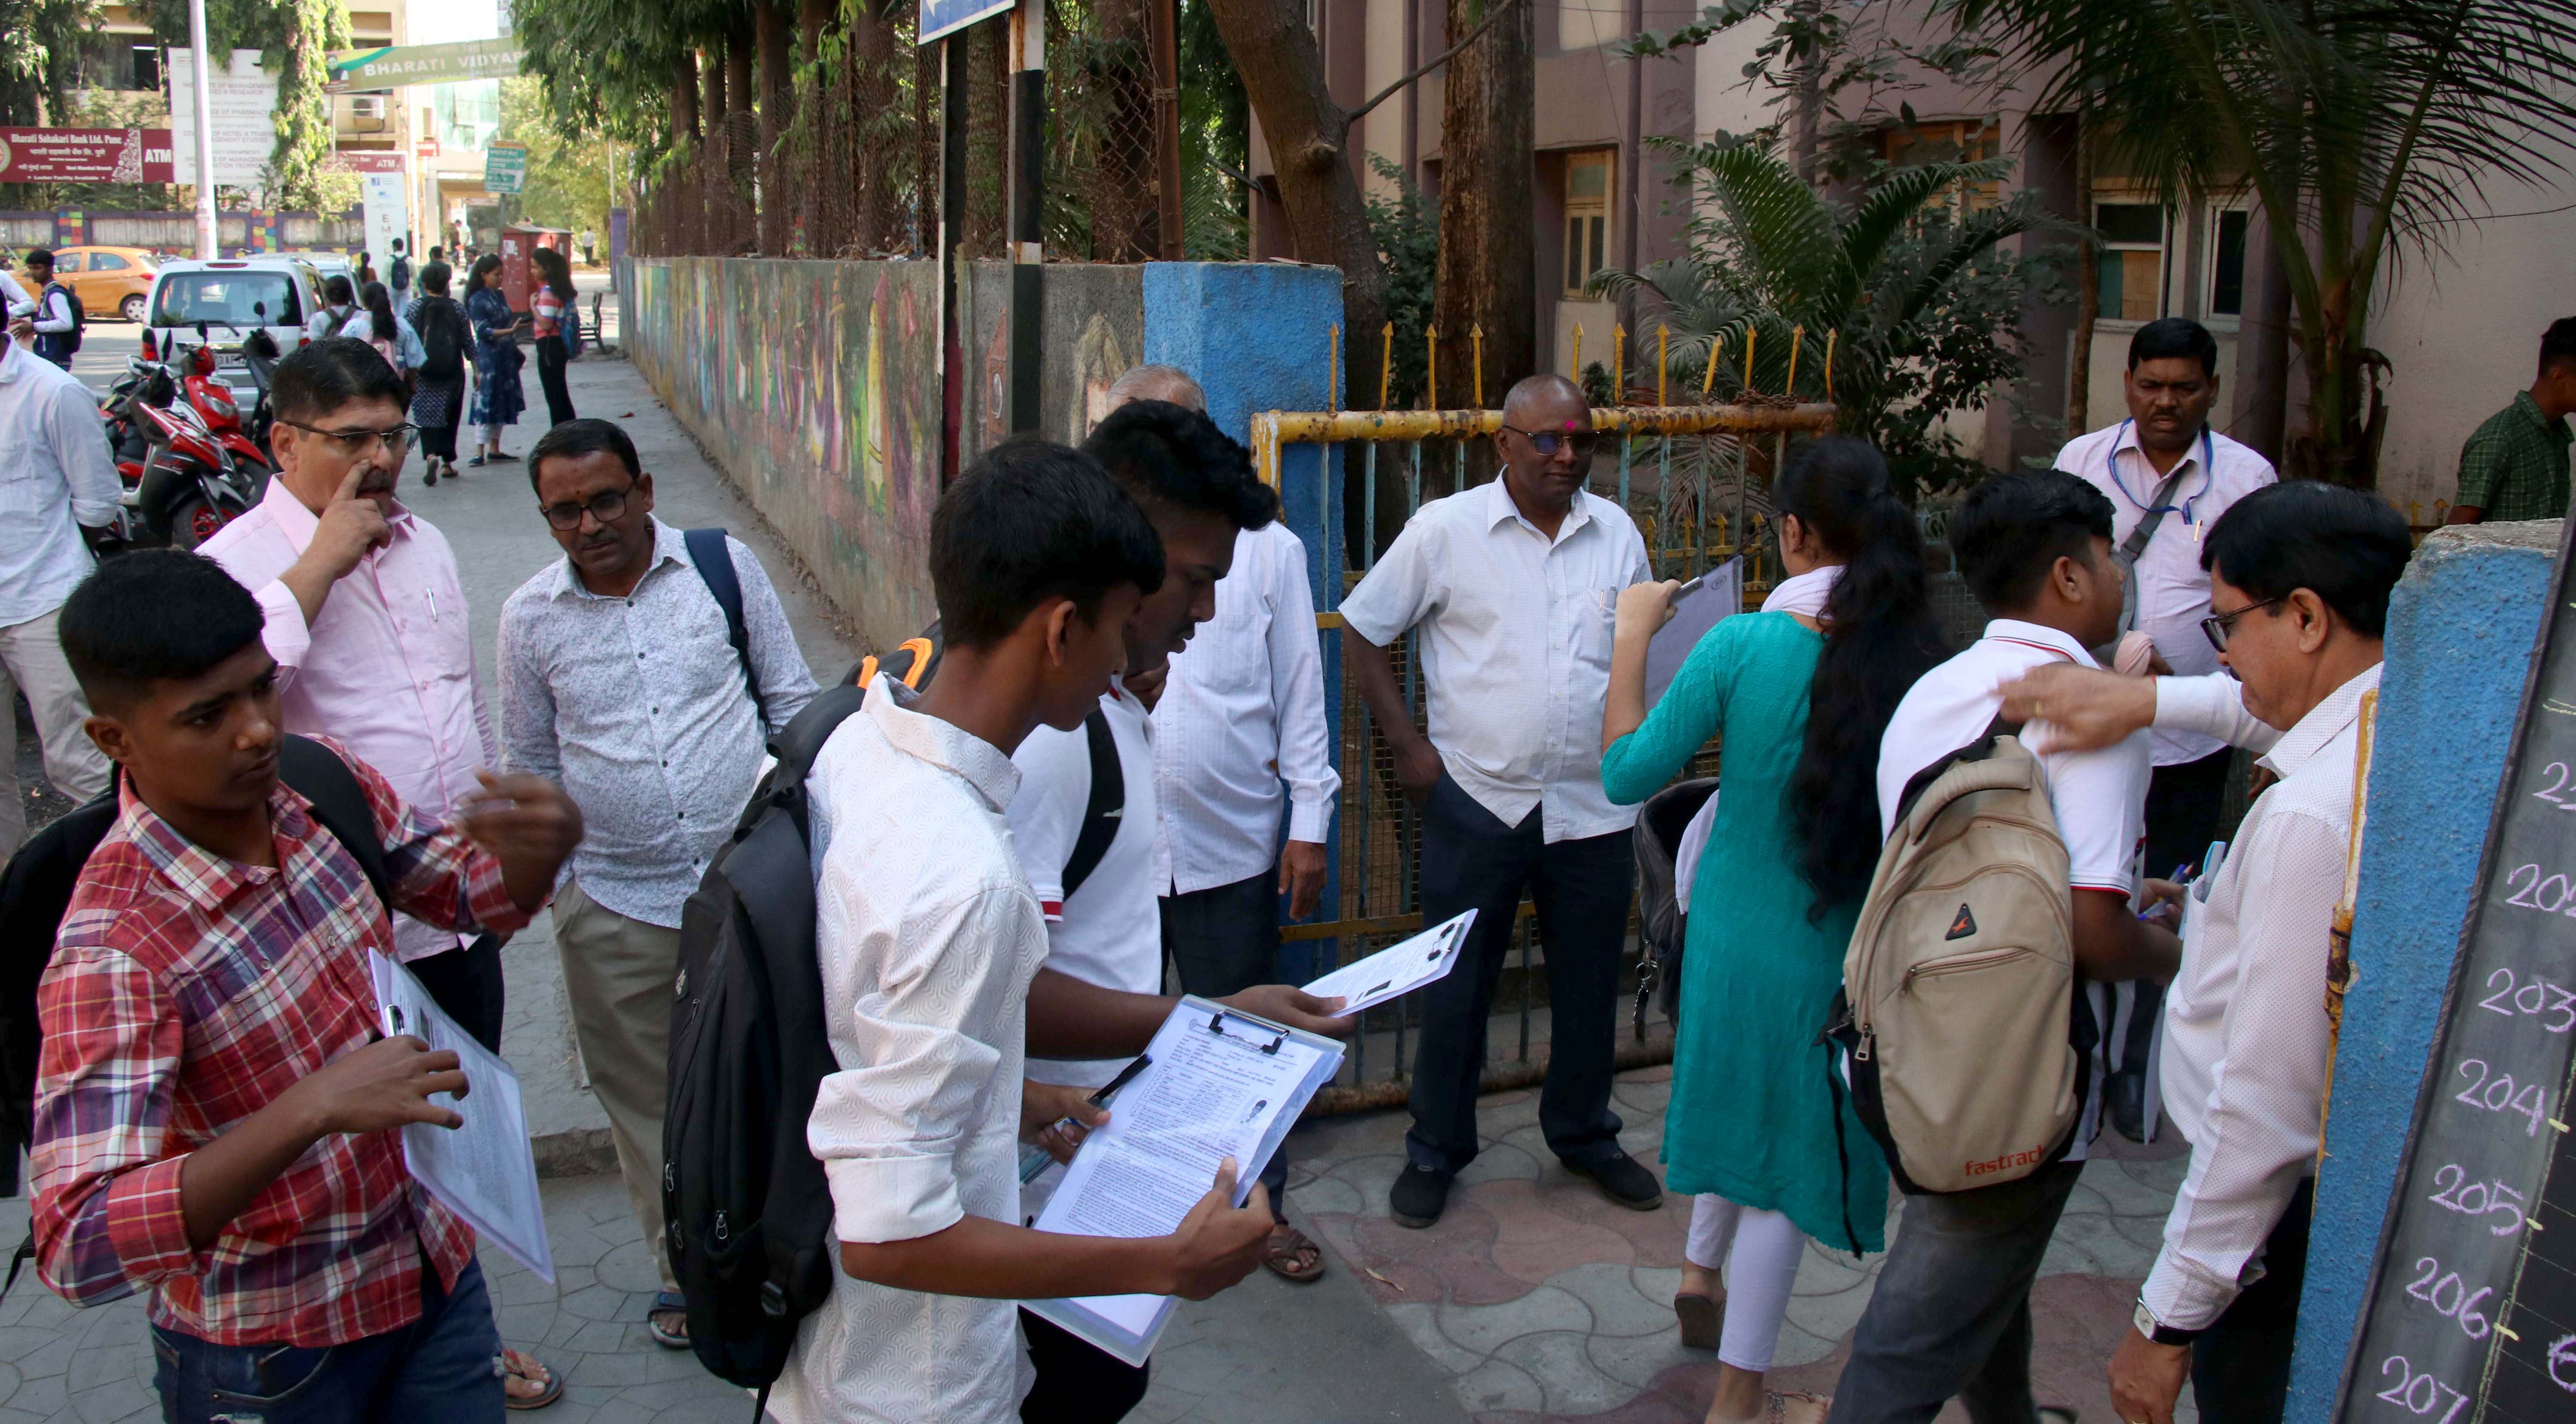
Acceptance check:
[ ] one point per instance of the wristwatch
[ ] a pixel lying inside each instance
(2156, 1330)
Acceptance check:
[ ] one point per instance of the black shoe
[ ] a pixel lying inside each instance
(2128, 1095)
(1623, 1179)
(1419, 1196)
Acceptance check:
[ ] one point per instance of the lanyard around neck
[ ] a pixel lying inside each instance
(2208, 473)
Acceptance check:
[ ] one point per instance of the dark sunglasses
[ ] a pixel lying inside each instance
(603, 507)
(1548, 442)
(2217, 626)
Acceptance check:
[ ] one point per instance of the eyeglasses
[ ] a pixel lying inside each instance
(359, 444)
(1548, 442)
(604, 507)
(2218, 626)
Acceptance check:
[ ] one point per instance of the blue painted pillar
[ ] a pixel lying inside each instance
(1255, 335)
(2460, 633)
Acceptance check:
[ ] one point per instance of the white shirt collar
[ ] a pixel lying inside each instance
(296, 524)
(941, 743)
(1499, 506)
(2324, 722)
(2013, 630)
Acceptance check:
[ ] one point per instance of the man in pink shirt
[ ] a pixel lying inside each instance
(366, 619)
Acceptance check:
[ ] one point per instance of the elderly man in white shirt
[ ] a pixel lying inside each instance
(2302, 576)
(1514, 584)
(1239, 713)
(56, 478)
(2169, 477)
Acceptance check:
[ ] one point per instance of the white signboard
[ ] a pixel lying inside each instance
(386, 200)
(244, 101)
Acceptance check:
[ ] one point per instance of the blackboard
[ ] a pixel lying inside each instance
(2471, 1316)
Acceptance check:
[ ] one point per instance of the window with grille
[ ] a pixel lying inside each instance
(2132, 263)
(1587, 218)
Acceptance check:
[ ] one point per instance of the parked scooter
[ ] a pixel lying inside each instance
(181, 483)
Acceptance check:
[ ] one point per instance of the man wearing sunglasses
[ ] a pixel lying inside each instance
(365, 614)
(1513, 584)
(2300, 576)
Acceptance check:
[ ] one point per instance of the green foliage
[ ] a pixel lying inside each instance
(1216, 141)
(605, 66)
(2367, 131)
(1406, 229)
(1906, 280)
(567, 182)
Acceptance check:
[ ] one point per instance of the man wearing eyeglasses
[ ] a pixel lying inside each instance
(2301, 578)
(365, 614)
(620, 683)
(1513, 584)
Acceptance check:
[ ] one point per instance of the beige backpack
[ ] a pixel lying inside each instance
(1959, 987)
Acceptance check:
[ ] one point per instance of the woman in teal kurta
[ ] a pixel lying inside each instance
(1776, 892)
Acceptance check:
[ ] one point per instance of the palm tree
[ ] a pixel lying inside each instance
(2365, 128)
(1906, 281)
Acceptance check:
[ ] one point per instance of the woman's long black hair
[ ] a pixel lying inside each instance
(555, 271)
(380, 311)
(1880, 635)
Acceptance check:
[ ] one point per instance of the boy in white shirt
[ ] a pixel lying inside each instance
(1951, 1312)
(929, 936)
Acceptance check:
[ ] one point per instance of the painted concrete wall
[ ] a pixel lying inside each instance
(815, 388)
(2460, 633)
(1093, 324)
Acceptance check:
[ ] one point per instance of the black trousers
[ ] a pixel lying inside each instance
(439, 441)
(2240, 1365)
(1224, 940)
(2183, 805)
(550, 374)
(1077, 1382)
(1470, 859)
(466, 984)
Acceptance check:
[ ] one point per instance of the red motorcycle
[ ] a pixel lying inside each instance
(221, 414)
(181, 483)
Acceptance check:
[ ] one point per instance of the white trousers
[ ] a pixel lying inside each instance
(1760, 1251)
(31, 660)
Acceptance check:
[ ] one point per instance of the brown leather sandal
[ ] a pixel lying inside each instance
(1703, 1318)
(1293, 1255)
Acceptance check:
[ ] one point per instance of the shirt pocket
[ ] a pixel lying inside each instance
(1231, 653)
(1595, 613)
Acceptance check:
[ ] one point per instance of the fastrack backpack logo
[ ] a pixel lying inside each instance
(2010, 1159)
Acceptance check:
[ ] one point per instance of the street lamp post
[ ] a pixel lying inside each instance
(205, 128)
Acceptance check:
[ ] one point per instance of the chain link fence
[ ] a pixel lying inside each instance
(856, 169)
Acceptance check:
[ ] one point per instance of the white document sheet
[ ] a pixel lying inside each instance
(1701, 604)
(1398, 969)
(1221, 1085)
(482, 1171)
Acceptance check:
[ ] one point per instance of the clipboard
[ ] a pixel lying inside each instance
(1205, 1056)
(1698, 606)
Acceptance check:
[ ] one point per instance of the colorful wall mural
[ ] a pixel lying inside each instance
(815, 387)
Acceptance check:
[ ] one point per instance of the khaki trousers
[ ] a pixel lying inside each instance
(31, 660)
(617, 977)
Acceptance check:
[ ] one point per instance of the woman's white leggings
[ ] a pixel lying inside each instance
(1760, 1251)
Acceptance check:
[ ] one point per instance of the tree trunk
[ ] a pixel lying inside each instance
(713, 223)
(742, 141)
(1488, 275)
(2332, 445)
(2088, 285)
(1308, 135)
(1125, 224)
(777, 109)
(875, 165)
(684, 98)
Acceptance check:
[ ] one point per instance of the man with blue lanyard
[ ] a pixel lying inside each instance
(2169, 476)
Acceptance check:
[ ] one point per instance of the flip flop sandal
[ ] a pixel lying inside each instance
(1294, 1256)
(663, 1335)
(2057, 1414)
(517, 1364)
(1703, 1318)
(502, 457)
(1775, 1405)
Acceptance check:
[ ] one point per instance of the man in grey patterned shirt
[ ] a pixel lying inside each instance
(620, 684)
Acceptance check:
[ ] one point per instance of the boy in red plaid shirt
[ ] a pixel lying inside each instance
(215, 1108)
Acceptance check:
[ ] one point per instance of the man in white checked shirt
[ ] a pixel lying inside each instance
(1238, 731)
(2301, 578)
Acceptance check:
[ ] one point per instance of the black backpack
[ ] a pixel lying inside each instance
(69, 341)
(442, 338)
(36, 889)
(747, 1212)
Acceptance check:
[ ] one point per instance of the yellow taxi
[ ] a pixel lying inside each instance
(108, 280)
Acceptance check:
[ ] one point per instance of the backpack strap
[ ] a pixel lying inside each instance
(714, 560)
(1978, 750)
(340, 804)
(1105, 811)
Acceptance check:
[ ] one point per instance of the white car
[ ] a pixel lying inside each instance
(228, 298)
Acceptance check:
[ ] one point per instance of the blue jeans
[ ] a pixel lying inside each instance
(443, 1368)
